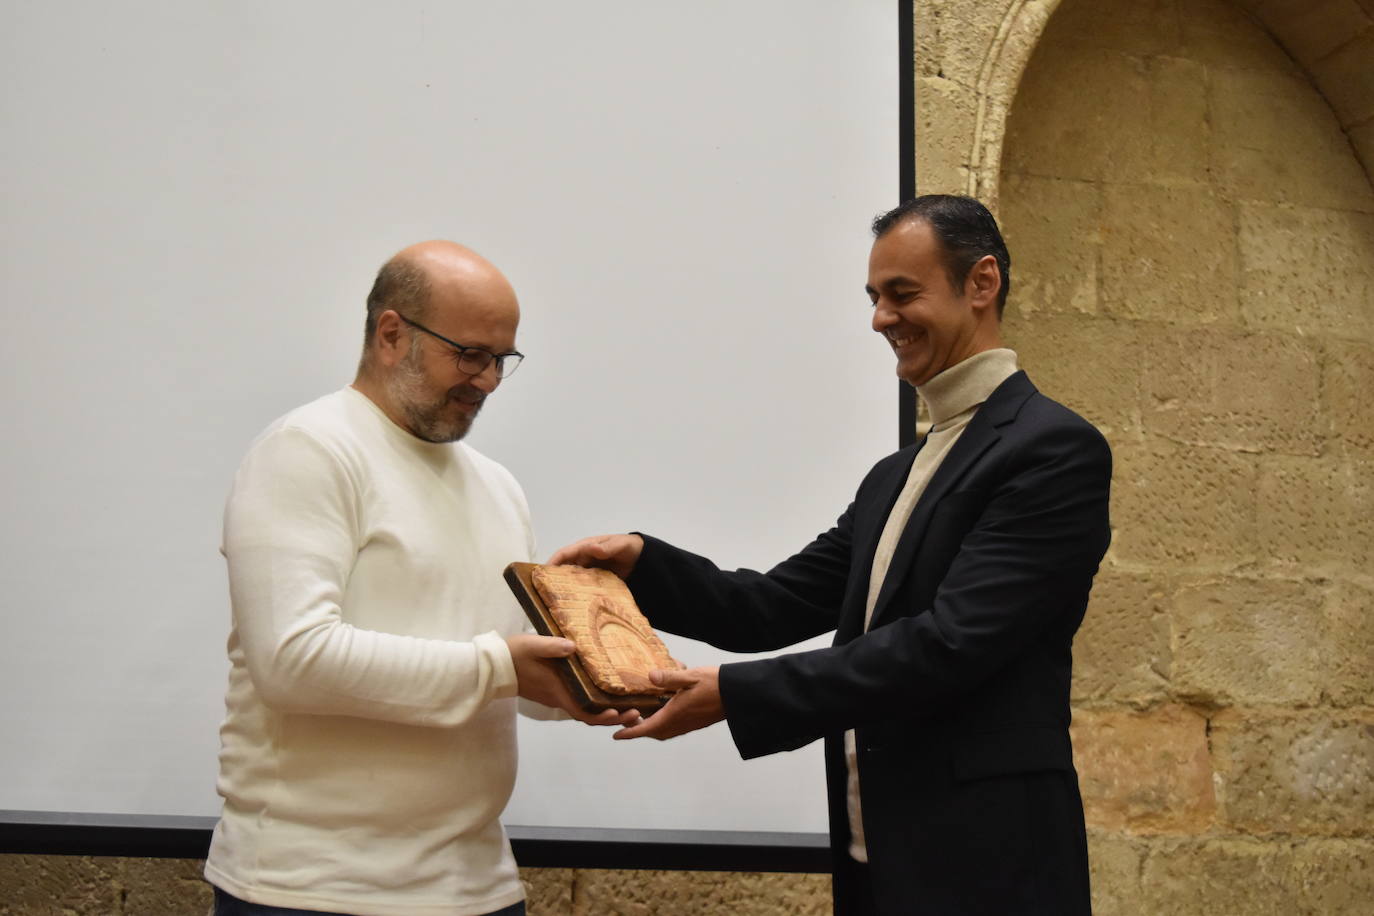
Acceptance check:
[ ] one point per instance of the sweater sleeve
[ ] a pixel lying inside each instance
(291, 534)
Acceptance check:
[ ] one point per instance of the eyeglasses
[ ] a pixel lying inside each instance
(474, 360)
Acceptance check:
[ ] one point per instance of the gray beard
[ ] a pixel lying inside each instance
(424, 412)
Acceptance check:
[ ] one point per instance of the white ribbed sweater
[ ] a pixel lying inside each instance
(369, 739)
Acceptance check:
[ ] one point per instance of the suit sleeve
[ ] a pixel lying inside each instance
(1029, 558)
(745, 610)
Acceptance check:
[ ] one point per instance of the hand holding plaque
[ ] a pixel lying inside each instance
(616, 647)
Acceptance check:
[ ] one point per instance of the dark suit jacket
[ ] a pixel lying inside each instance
(959, 691)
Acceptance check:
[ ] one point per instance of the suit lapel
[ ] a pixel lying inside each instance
(865, 545)
(980, 435)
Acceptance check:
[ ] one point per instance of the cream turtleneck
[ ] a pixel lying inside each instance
(952, 398)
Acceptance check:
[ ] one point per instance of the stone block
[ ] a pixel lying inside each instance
(1177, 507)
(945, 116)
(1308, 772)
(1254, 392)
(1219, 34)
(1347, 79)
(1311, 30)
(952, 37)
(1316, 515)
(163, 887)
(1315, 877)
(1081, 114)
(1147, 28)
(1086, 112)
(1347, 380)
(1053, 228)
(1114, 862)
(548, 891)
(1121, 651)
(925, 38)
(1249, 641)
(1275, 138)
(1144, 772)
(65, 885)
(1333, 876)
(1178, 125)
(1244, 877)
(1349, 618)
(1309, 271)
(1168, 255)
(1091, 365)
(676, 893)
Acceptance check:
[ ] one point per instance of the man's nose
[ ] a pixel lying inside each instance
(883, 318)
(487, 379)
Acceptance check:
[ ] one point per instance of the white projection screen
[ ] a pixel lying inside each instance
(196, 197)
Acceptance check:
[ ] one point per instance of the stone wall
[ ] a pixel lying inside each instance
(1193, 261)
(89, 886)
(1193, 241)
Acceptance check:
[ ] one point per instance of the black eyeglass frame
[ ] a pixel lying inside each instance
(500, 358)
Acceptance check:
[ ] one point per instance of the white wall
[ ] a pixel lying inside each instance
(195, 199)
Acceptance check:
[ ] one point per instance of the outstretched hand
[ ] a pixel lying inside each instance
(617, 552)
(539, 681)
(696, 705)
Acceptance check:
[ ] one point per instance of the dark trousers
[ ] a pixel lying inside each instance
(1010, 845)
(859, 886)
(228, 905)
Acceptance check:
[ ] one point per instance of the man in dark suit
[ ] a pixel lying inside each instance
(955, 581)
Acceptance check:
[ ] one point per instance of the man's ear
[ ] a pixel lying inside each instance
(984, 282)
(390, 341)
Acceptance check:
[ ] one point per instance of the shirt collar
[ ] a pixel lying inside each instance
(965, 385)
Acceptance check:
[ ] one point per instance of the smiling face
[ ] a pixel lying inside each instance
(416, 378)
(930, 324)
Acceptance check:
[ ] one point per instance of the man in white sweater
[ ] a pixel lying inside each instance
(376, 653)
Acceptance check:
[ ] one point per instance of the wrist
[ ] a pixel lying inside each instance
(497, 651)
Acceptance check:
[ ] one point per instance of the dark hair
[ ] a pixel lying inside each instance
(401, 285)
(967, 233)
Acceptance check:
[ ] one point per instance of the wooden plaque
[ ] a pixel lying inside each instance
(584, 690)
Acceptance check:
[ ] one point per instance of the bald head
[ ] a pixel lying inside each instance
(434, 304)
(438, 281)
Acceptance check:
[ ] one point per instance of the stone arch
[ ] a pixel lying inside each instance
(1332, 43)
(1008, 53)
